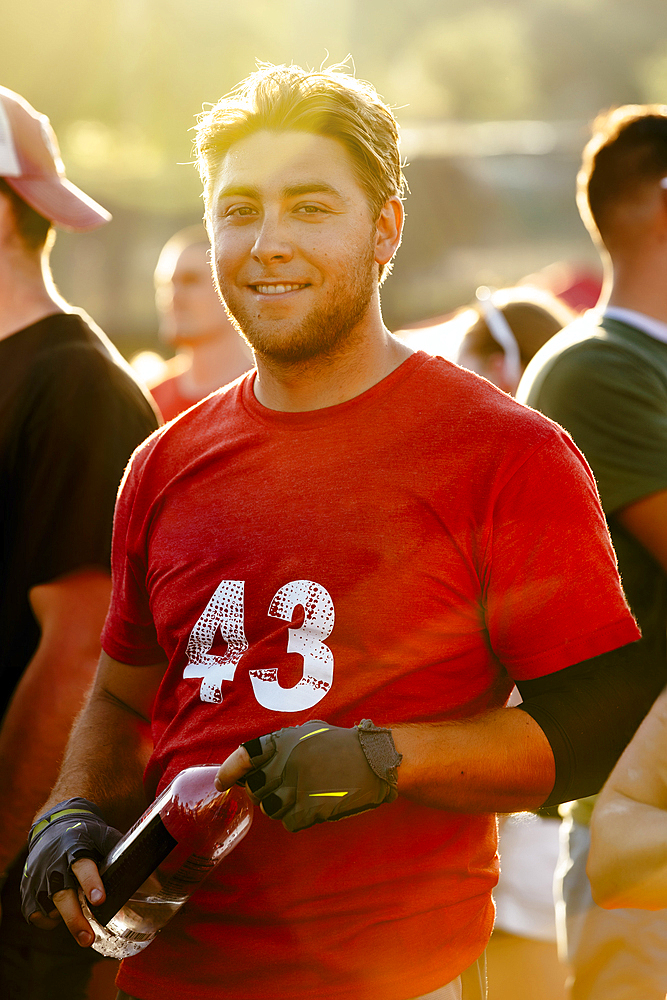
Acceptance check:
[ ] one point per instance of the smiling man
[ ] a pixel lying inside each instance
(298, 250)
(291, 292)
(351, 532)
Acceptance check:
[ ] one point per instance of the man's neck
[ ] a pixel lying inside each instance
(25, 297)
(315, 384)
(642, 287)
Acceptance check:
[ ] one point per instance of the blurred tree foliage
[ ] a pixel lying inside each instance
(123, 80)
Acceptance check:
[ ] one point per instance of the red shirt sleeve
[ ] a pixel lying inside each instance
(129, 634)
(553, 594)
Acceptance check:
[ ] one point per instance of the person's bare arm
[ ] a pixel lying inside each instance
(627, 864)
(70, 612)
(104, 762)
(107, 750)
(500, 761)
(497, 762)
(646, 519)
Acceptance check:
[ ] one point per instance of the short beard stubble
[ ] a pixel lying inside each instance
(323, 333)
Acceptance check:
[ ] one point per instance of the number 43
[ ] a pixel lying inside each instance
(226, 611)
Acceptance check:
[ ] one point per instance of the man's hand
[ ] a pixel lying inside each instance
(65, 844)
(315, 772)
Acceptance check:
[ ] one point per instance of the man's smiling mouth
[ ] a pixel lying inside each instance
(277, 289)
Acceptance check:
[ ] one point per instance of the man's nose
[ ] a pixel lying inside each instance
(272, 242)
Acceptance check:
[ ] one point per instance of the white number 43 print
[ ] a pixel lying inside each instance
(226, 611)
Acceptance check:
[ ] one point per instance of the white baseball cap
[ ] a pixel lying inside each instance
(30, 163)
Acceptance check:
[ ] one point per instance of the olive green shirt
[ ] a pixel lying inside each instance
(606, 383)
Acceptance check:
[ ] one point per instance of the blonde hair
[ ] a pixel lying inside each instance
(328, 102)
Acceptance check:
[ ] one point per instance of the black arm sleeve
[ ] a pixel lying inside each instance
(589, 713)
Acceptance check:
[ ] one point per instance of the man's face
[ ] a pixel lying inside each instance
(294, 244)
(188, 304)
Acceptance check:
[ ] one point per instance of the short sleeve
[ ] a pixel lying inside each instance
(129, 634)
(85, 418)
(553, 595)
(614, 404)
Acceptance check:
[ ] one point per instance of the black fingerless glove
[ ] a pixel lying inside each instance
(316, 772)
(71, 830)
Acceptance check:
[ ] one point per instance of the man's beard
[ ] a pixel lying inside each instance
(323, 333)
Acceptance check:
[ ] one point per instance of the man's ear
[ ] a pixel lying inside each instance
(389, 228)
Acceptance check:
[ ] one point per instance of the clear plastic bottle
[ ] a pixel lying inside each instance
(166, 855)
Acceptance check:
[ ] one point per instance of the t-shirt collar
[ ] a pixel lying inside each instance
(647, 324)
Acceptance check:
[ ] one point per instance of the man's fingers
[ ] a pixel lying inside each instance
(45, 923)
(236, 765)
(89, 879)
(67, 903)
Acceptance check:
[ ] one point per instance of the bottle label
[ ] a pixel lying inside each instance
(133, 866)
(190, 874)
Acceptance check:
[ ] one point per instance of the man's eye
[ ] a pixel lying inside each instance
(311, 209)
(236, 211)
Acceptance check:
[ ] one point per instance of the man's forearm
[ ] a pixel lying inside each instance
(104, 761)
(500, 761)
(497, 762)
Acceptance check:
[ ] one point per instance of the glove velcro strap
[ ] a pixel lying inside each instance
(64, 810)
(380, 751)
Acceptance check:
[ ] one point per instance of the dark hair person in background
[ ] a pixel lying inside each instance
(605, 379)
(70, 416)
(497, 334)
(507, 327)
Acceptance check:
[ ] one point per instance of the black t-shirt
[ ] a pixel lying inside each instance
(70, 416)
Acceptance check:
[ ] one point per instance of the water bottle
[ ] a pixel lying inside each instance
(166, 855)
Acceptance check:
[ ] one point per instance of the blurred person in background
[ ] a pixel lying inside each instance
(193, 320)
(505, 330)
(70, 416)
(523, 318)
(604, 379)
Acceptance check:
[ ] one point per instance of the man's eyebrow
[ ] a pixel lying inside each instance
(290, 191)
(238, 191)
(311, 187)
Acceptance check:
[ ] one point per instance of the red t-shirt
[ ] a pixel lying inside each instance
(170, 399)
(399, 557)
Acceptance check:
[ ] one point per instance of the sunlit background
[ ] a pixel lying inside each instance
(495, 99)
